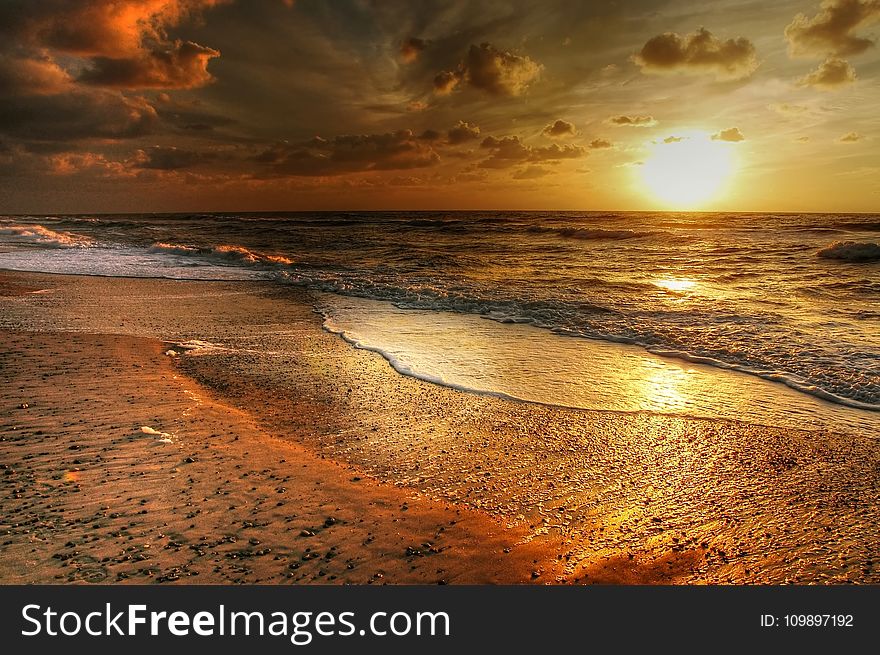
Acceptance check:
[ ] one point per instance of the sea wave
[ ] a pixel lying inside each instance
(225, 254)
(851, 251)
(42, 236)
(589, 234)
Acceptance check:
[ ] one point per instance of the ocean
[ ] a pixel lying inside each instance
(767, 318)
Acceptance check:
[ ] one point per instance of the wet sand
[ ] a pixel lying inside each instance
(289, 456)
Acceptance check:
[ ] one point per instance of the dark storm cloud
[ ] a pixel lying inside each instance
(345, 154)
(495, 71)
(831, 31)
(831, 74)
(699, 52)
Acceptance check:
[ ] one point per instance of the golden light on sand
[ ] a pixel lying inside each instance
(687, 171)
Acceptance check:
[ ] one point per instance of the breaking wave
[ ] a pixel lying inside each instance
(42, 236)
(852, 251)
(223, 254)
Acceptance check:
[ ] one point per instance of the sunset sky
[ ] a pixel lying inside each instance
(213, 105)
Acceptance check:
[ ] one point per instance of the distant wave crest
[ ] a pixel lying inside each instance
(228, 254)
(43, 236)
(590, 234)
(852, 251)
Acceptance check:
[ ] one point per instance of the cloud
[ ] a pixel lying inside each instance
(830, 32)
(850, 137)
(169, 158)
(559, 129)
(36, 75)
(509, 151)
(345, 154)
(64, 66)
(831, 74)
(531, 173)
(489, 69)
(77, 115)
(445, 82)
(189, 114)
(430, 135)
(731, 135)
(117, 43)
(632, 121)
(697, 53)
(72, 163)
(673, 139)
(105, 28)
(463, 132)
(179, 65)
(411, 48)
(556, 152)
(600, 144)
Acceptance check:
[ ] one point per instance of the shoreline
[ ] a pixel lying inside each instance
(574, 494)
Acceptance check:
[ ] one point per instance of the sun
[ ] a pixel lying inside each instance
(688, 170)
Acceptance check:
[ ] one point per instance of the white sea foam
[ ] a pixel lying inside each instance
(522, 362)
(123, 261)
(163, 437)
(199, 347)
(42, 236)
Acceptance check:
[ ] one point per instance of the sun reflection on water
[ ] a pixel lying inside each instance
(662, 389)
(678, 285)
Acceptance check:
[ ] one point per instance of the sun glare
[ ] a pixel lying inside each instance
(677, 285)
(687, 170)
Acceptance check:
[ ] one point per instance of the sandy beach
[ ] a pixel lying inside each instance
(212, 432)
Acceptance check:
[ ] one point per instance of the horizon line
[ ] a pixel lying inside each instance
(457, 210)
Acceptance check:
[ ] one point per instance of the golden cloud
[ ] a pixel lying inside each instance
(831, 74)
(830, 32)
(495, 71)
(698, 53)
